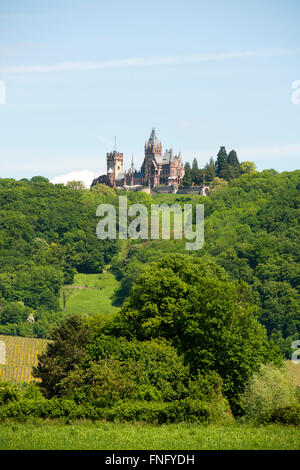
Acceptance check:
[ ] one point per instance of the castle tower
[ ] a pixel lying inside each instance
(114, 162)
(153, 156)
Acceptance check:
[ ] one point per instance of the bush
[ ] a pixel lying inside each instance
(8, 393)
(47, 409)
(187, 410)
(282, 415)
(268, 390)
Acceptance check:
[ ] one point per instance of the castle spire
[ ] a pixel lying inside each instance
(153, 138)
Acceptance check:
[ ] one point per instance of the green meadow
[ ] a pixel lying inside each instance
(111, 436)
(90, 293)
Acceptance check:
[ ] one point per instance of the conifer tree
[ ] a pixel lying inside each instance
(195, 172)
(233, 159)
(187, 179)
(210, 170)
(234, 163)
(221, 163)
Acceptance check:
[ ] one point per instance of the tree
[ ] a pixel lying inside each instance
(233, 159)
(14, 312)
(218, 183)
(195, 172)
(76, 185)
(62, 355)
(187, 179)
(221, 163)
(39, 179)
(210, 170)
(248, 167)
(117, 369)
(209, 318)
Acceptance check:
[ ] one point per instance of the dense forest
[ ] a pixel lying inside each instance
(48, 234)
(194, 328)
(252, 231)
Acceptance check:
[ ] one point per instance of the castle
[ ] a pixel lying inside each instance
(157, 168)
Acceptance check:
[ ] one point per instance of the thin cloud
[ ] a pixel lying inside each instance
(270, 152)
(86, 176)
(145, 61)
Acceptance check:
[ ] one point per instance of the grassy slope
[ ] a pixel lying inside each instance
(108, 436)
(95, 295)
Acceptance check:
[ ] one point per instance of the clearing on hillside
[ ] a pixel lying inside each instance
(91, 293)
(18, 357)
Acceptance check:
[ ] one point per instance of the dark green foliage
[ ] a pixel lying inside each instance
(8, 393)
(115, 369)
(112, 378)
(227, 166)
(62, 355)
(284, 415)
(48, 233)
(210, 170)
(252, 230)
(187, 410)
(187, 179)
(196, 173)
(14, 312)
(233, 159)
(221, 163)
(41, 327)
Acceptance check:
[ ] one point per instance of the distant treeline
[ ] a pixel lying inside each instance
(226, 167)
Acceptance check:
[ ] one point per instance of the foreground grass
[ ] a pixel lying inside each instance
(109, 436)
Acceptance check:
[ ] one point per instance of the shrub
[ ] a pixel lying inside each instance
(187, 410)
(8, 393)
(268, 390)
(283, 415)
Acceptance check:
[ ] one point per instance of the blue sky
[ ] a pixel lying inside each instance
(204, 73)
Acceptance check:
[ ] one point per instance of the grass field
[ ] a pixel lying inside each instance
(108, 436)
(91, 293)
(20, 355)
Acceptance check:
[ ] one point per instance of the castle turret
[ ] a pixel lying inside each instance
(114, 162)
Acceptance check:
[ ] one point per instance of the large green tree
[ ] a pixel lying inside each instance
(207, 317)
(64, 353)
